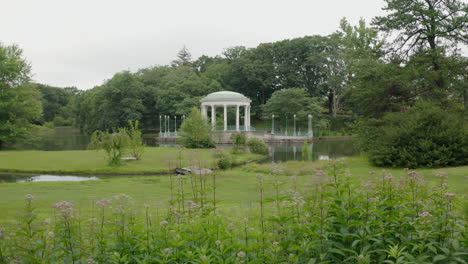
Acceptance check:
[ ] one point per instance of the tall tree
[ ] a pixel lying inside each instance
(19, 100)
(184, 58)
(425, 23)
(293, 101)
(431, 26)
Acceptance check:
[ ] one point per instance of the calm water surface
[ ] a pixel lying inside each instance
(71, 139)
(44, 178)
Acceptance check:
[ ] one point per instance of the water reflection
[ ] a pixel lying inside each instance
(68, 138)
(318, 150)
(44, 178)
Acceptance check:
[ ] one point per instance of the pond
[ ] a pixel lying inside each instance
(318, 150)
(4, 177)
(71, 139)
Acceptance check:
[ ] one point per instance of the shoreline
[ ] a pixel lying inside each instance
(91, 173)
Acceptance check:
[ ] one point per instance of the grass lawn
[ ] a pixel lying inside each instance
(88, 161)
(236, 187)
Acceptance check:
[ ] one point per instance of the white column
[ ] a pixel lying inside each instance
(237, 117)
(225, 117)
(204, 110)
(246, 119)
(213, 117)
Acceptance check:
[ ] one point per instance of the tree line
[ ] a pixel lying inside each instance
(353, 71)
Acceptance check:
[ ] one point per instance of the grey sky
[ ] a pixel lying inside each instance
(82, 43)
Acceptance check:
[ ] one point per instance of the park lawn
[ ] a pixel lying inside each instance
(236, 187)
(359, 167)
(154, 160)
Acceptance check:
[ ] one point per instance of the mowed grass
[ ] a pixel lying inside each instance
(88, 161)
(236, 187)
(359, 167)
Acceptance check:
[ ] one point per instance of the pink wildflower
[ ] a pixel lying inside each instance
(449, 195)
(104, 202)
(424, 214)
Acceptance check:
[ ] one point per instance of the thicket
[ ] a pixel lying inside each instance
(135, 143)
(195, 132)
(426, 135)
(116, 143)
(257, 146)
(334, 218)
(238, 142)
(223, 160)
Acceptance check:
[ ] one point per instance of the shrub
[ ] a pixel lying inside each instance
(60, 121)
(424, 136)
(195, 131)
(135, 144)
(336, 219)
(238, 143)
(257, 146)
(321, 127)
(113, 144)
(223, 160)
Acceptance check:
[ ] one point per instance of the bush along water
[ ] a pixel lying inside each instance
(257, 146)
(424, 136)
(331, 219)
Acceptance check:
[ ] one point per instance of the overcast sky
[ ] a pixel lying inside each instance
(84, 42)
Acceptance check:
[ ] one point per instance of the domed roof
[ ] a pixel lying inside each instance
(225, 96)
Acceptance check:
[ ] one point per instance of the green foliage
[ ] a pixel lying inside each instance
(195, 132)
(424, 136)
(257, 146)
(321, 127)
(20, 106)
(305, 151)
(223, 160)
(238, 142)
(111, 105)
(135, 143)
(336, 219)
(113, 144)
(424, 23)
(59, 104)
(289, 102)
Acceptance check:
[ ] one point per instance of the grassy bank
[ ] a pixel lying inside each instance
(154, 160)
(360, 167)
(240, 216)
(236, 187)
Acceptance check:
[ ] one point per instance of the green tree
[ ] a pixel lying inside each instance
(184, 58)
(424, 23)
(58, 103)
(135, 143)
(332, 64)
(380, 87)
(20, 106)
(431, 27)
(424, 136)
(195, 131)
(347, 51)
(113, 144)
(112, 104)
(289, 102)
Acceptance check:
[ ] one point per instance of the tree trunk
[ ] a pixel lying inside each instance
(465, 101)
(336, 102)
